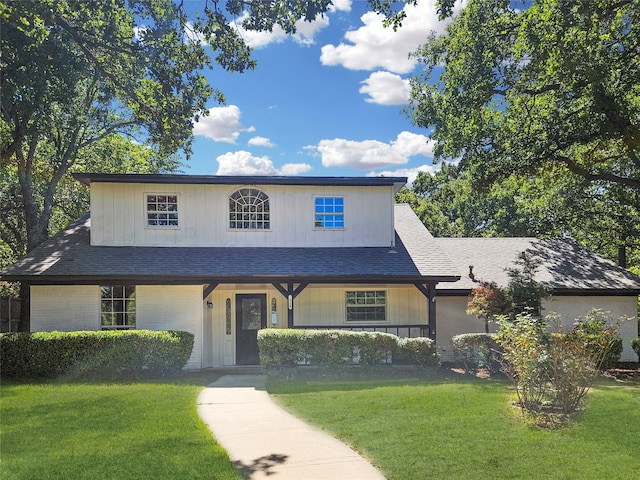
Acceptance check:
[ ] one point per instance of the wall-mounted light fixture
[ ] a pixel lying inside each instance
(209, 305)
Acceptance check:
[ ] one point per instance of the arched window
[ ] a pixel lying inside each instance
(249, 209)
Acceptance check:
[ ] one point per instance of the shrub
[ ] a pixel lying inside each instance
(635, 344)
(334, 348)
(281, 347)
(523, 341)
(374, 347)
(419, 351)
(556, 368)
(48, 354)
(600, 336)
(475, 350)
(328, 348)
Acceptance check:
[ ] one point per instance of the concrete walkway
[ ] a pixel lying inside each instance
(264, 441)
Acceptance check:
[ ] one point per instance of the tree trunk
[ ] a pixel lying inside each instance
(622, 256)
(25, 313)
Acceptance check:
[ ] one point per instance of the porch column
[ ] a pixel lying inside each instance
(432, 311)
(429, 291)
(290, 293)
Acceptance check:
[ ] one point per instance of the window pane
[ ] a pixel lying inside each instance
(251, 314)
(118, 306)
(249, 209)
(157, 206)
(366, 306)
(107, 319)
(329, 212)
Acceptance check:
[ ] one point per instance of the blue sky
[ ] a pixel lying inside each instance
(324, 102)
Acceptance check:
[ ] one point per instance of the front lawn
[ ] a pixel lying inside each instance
(94, 431)
(437, 428)
(465, 428)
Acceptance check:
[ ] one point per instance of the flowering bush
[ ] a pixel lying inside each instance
(552, 368)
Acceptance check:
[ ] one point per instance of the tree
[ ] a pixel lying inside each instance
(524, 292)
(74, 72)
(524, 88)
(487, 302)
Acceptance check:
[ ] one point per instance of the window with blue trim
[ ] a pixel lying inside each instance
(329, 212)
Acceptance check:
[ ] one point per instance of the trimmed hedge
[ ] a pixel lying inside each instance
(635, 344)
(285, 348)
(475, 350)
(49, 354)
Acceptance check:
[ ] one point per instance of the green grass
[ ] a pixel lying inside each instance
(98, 431)
(412, 429)
(459, 429)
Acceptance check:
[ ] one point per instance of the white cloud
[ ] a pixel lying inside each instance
(373, 154)
(191, 36)
(294, 168)
(343, 5)
(410, 144)
(386, 88)
(261, 142)
(222, 124)
(410, 173)
(244, 163)
(373, 46)
(305, 32)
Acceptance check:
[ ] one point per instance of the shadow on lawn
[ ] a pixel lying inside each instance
(312, 380)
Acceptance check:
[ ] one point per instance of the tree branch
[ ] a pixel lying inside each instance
(609, 177)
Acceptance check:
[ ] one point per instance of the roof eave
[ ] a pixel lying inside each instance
(88, 178)
(203, 279)
(559, 292)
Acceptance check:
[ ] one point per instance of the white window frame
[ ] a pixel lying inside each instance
(159, 211)
(341, 214)
(363, 297)
(251, 221)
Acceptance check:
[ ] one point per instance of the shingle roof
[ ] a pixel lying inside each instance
(566, 266)
(69, 257)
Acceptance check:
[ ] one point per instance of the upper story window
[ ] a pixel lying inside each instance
(118, 307)
(249, 209)
(329, 212)
(366, 306)
(162, 210)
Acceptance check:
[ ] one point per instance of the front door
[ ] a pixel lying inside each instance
(251, 316)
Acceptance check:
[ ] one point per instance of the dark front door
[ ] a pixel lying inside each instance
(251, 316)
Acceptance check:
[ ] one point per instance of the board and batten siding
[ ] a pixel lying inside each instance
(326, 306)
(65, 308)
(118, 217)
(172, 307)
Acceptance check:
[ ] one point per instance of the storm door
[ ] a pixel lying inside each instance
(251, 316)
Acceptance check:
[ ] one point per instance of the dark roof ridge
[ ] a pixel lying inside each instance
(165, 178)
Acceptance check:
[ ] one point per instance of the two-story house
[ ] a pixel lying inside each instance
(224, 256)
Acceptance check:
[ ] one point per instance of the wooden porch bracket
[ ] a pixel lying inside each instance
(208, 289)
(290, 293)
